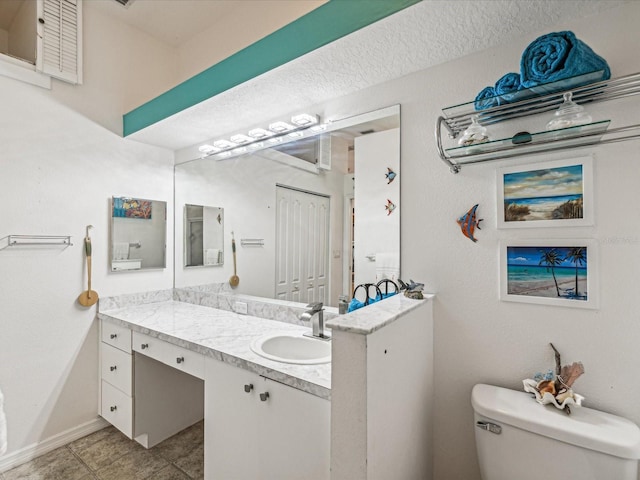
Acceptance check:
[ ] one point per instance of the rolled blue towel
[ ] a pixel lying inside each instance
(355, 304)
(559, 55)
(487, 98)
(508, 85)
(385, 295)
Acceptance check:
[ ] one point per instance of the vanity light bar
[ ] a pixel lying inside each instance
(259, 138)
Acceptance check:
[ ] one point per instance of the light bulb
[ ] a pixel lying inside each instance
(304, 120)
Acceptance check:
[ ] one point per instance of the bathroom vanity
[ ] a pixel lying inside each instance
(167, 364)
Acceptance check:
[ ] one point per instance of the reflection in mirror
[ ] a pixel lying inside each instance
(203, 236)
(327, 208)
(138, 234)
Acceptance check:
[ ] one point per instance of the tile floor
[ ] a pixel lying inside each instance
(109, 455)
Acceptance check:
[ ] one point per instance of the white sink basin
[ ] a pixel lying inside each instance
(291, 348)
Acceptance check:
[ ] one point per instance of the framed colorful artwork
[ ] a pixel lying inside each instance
(131, 208)
(559, 272)
(550, 194)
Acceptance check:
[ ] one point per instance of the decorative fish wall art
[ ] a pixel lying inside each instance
(389, 207)
(390, 175)
(468, 223)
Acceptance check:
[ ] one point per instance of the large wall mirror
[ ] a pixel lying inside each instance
(203, 236)
(138, 234)
(312, 218)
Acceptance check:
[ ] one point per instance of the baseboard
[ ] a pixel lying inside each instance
(25, 454)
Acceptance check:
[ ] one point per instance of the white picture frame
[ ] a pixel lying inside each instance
(547, 194)
(529, 273)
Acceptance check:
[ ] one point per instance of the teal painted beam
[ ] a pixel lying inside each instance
(325, 24)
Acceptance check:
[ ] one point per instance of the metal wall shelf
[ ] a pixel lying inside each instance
(457, 118)
(35, 241)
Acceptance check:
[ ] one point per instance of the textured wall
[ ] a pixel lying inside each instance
(478, 338)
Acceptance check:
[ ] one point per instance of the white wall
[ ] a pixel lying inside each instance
(477, 337)
(59, 167)
(123, 68)
(376, 230)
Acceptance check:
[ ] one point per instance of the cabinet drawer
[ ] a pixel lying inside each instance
(169, 354)
(117, 408)
(116, 367)
(117, 336)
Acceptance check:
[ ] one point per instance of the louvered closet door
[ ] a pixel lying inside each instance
(60, 39)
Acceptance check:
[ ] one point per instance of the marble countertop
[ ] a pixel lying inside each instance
(223, 335)
(377, 315)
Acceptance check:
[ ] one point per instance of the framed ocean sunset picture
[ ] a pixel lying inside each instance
(551, 272)
(550, 194)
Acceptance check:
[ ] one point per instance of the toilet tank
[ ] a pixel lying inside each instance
(517, 438)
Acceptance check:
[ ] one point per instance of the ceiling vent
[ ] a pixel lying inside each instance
(125, 3)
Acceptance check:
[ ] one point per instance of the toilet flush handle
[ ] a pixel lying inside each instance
(490, 427)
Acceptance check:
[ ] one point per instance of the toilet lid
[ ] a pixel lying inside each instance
(585, 427)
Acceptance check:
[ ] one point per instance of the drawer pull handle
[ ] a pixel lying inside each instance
(264, 396)
(113, 368)
(144, 345)
(113, 336)
(180, 359)
(113, 409)
(248, 387)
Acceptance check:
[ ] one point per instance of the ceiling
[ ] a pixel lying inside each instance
(175, 22)
(426, 34)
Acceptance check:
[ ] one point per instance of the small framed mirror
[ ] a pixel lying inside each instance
(203, 236)
(138, 234)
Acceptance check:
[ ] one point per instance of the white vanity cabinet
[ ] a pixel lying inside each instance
(261, 429)
(140, 395)
(116, 367)
(172, 355)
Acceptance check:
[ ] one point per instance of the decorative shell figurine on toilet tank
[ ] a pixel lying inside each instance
(556, 388)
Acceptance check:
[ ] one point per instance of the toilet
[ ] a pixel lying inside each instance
(519, 439)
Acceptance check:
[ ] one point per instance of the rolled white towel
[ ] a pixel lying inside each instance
(212, 256)
(387, 266)
(120, 250)
(3, 427)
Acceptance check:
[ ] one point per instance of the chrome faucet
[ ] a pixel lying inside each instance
(317, 321)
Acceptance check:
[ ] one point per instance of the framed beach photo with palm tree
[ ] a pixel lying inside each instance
(549, 272)
(549, 194)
